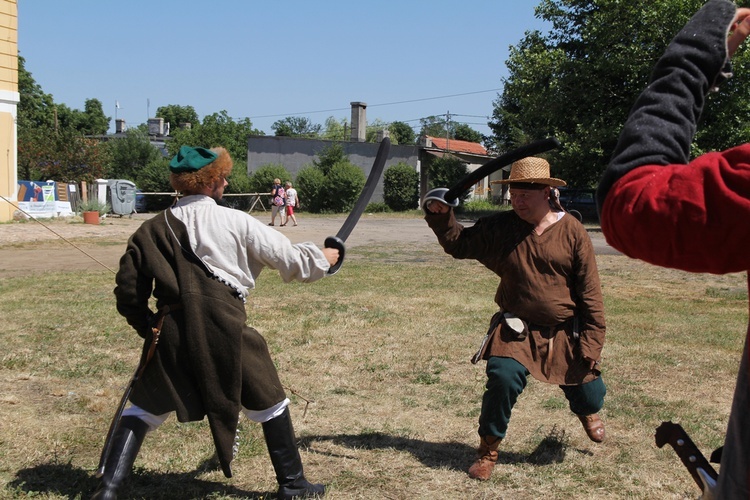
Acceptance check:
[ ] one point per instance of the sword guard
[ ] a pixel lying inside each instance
(338, 244)
(438, 194)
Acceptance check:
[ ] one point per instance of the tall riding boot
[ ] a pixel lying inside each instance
(282, 446)
(126, 443)
(482, 468)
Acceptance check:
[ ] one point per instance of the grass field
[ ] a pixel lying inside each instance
(384, 399)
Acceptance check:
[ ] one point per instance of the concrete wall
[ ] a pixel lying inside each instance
(9, 99)
(295, 154)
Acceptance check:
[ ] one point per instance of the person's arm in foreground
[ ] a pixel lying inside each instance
(656, 206)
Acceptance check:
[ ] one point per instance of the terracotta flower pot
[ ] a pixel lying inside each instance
(91, 217)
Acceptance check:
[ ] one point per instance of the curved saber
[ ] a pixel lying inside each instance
(450, 196)
(364, 198)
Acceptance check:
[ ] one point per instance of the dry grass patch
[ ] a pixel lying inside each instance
(382, 352)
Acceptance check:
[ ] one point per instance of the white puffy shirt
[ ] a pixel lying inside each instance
(235, 246)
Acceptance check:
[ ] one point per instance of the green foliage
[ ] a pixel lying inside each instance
(154, 177)
(343, 184)
(94, 205)
(176, 115)
(64, 156)
(479, 207)
(91, 121)
(36, 108)
(335, 130)
(401, 187)
(311, 183)
(238, 181)
(373, 130)
(578, 81)
(130, 154)
(463, 132)
(217, 129)
(377, 207)
(329, 157)
(402, 133)
(445, 172)
(434, 126)
(262, 179)
(332, 184)
(296, 126)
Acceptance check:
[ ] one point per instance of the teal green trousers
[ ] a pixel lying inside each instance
(506, 380)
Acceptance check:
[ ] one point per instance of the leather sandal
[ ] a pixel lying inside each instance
(593, 426)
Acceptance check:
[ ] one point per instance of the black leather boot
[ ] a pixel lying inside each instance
(282, 446)
(126, 443)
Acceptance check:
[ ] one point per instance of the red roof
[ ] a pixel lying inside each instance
(458, 146)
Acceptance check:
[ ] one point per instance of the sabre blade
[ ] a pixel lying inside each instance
(337, 241)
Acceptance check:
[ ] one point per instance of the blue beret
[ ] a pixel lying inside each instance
(190, 159)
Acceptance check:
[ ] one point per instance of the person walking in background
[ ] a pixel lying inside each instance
(551, 319)
(658, 206)
(292, 202)
(199, 260)
(277, 202)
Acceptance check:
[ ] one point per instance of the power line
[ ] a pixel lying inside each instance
(377, 105)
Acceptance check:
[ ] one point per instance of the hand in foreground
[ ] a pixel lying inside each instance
(332, 255)
(593, 364)
(436, 207)
(739, 31)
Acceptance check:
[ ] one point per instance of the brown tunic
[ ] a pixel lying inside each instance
(547, 280)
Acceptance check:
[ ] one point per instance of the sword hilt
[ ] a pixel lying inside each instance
(338, 244)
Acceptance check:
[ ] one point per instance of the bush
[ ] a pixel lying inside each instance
(377, 207)
(239, 181)
(311, 188)
(261, 180)
(401, 187)
(345, 182)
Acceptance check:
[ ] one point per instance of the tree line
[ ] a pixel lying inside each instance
(575, 81)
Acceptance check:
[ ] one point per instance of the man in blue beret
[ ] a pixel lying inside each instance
(199, 260)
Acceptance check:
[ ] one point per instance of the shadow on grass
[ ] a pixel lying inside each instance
(72, 482)
(452, 455)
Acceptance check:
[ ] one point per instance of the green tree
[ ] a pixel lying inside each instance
(36, 108)
(94, 121)
(373, 129)
(74, 158)
(401, 187)
(130, 154)
(217, 129)
(445, 172)
(220, 130)
(176, 115)
(296, 126)
(336, 185)
(578, 81)
(435, 126)
(402, 133)
(463, 132)
(334, 130)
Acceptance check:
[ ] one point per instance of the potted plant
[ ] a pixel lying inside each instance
(92, 210)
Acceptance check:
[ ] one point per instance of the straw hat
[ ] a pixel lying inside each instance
(531, 170)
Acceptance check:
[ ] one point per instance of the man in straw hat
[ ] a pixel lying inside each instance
(199, 260)
(551, 319)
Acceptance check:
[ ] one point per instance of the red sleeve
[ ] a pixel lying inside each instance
(693, 217)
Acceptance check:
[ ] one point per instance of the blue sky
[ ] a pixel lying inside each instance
(266, 60)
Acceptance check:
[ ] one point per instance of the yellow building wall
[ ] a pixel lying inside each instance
(9, 99)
